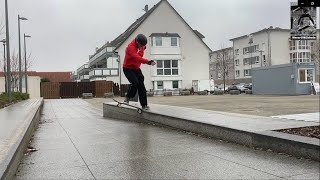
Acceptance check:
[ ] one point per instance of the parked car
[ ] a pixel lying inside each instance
(248, 86)
(233, 87)
(242, 88)
(225, 89)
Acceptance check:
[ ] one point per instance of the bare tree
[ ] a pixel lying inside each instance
(315, 53)
(1, 28)
(223, 63)
(15, 68)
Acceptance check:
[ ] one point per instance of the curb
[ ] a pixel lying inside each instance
(12, 160)
(276, 141)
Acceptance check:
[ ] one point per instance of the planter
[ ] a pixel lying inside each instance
(185, 93)
(202, 93)
(108, 95)
(167, 93)
(218, 92)
(234, 92)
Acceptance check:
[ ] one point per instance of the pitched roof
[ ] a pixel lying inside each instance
(199, 34)
(165, 35)
(52, 76)
(228, 49)
(117, 42)
(261, 31)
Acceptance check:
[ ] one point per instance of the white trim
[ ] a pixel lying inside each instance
(305, 82)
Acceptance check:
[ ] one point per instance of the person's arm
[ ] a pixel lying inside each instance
(133, 53)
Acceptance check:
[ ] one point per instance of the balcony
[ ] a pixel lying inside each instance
(84, 77)
(103, 72)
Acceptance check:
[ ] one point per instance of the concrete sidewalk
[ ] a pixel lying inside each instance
(75, 142)
(17, 123)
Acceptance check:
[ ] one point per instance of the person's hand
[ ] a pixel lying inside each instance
(152, 62)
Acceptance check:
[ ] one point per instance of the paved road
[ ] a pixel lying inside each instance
(75, 142)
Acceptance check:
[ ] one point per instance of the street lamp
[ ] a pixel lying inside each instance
(8, 52)
(4, 64)
(20, 70)
(25, 61)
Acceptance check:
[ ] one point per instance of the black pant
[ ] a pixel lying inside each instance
(136, 79)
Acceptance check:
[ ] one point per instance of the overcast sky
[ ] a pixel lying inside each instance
(65, 32)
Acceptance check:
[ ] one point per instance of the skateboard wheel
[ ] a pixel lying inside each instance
(139, 111)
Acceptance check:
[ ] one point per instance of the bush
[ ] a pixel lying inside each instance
(16, 96)
(25, 96)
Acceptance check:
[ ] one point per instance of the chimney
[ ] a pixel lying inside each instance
(146, 8)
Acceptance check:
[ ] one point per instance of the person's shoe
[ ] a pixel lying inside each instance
(126, 100)
(146, 108)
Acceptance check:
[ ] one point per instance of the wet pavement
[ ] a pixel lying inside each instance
(74, 141)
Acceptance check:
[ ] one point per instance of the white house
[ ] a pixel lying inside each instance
(83, 73)
(180, 52)
(270, 46)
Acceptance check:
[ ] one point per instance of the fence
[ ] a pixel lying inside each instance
(54, 90)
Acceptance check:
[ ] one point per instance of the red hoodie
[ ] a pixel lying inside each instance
(134, 56)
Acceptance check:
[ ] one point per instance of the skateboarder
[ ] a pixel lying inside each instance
(131, 69)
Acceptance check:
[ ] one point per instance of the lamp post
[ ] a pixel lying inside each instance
(25, 61)
(20, 68)
(4, 64)
(8, 52)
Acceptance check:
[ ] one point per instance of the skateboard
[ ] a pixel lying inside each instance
(139, 110)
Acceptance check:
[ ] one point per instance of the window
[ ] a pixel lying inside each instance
(251, 49)
(158, 41)
(303, 44)
(247, 72)
(167, 67)
(175, 84)
(237, 62)
(306, 75)
(159, 84)
(304, 57)
(246, 61)
(249, 61)
(293, 57)
(151, 41)
(257, 59)
(237, 73)
(237, 51)
(292, 45)
(174, 41)
(264, 59)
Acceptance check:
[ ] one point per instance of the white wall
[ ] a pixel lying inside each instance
(2, 85)
(258, 39)
(195, 55)
(280, 47)
(33, 86)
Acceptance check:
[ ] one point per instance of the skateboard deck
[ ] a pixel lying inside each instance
(122, 103)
